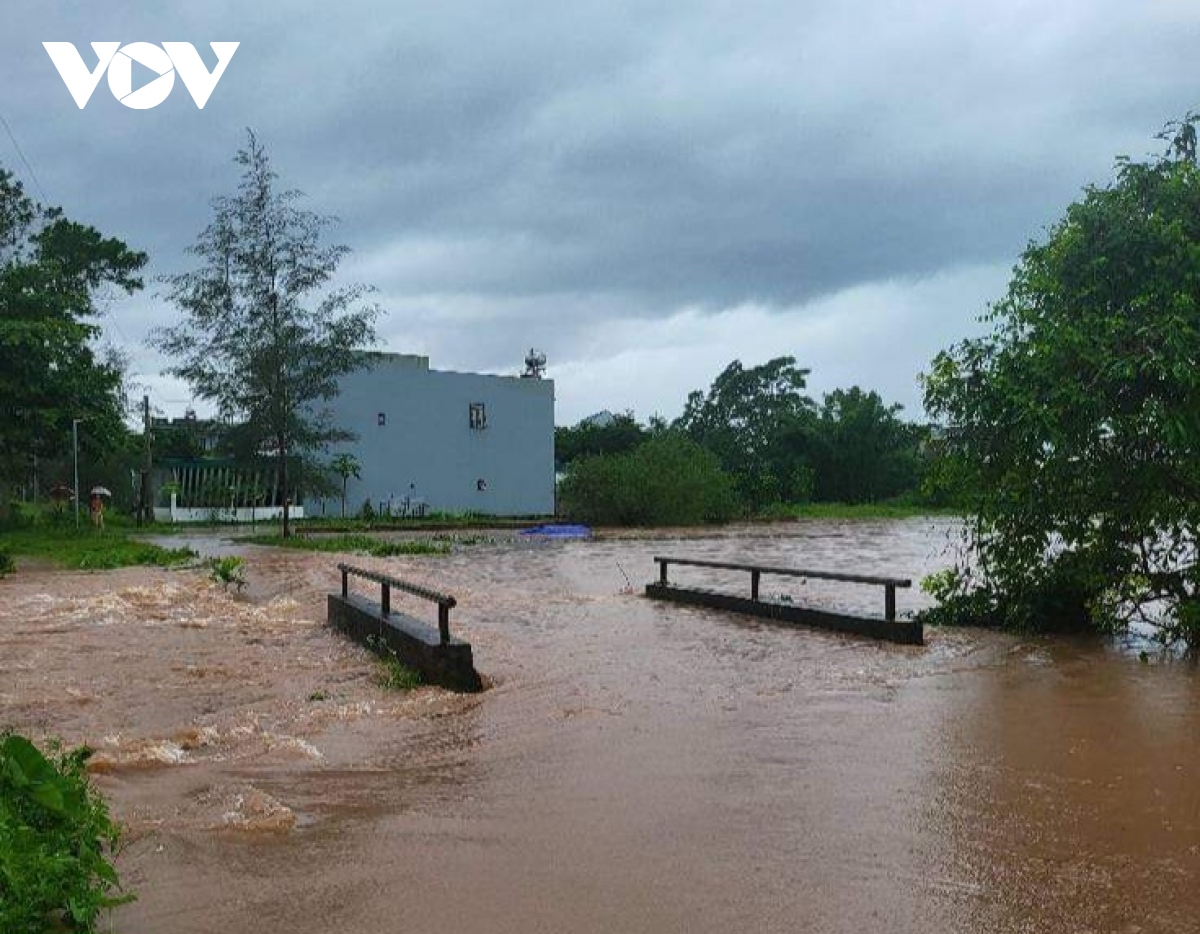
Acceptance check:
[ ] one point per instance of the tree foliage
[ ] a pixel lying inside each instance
(1075, 424)
(265, 332)
(781, 447)
(54, 276)
(863, 451)
(591, 436)
(756, 421)
(668, 480)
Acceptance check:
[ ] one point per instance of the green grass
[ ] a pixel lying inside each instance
(353, 543)
(397, 676)
(88, 549)
(786, 511)
(393, 674)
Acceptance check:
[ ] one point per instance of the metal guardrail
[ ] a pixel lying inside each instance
(444, 601)
(757, 570)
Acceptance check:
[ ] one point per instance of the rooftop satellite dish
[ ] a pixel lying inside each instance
(535, 364)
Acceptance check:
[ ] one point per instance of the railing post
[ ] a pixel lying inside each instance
(662, 573)
(755, 576)
(444, 623)
(889, 602)
(385, 604)
(345, 583)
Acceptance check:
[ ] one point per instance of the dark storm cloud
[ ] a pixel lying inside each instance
(538, 173)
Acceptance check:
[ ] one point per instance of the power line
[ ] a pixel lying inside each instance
(20, 152)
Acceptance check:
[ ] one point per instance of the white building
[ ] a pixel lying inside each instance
(444, 441)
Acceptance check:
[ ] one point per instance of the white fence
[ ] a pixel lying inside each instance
(242, 514)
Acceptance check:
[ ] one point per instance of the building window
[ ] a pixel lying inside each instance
(381, 419)
(478, 416)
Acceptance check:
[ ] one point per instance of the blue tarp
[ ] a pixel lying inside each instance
(559, 531)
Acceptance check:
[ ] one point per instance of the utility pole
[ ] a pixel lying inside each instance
(75, 454)
(145, 513)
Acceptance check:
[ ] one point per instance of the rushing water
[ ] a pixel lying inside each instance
(635, 767)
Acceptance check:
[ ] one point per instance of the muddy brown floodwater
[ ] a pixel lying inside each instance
(636, 767)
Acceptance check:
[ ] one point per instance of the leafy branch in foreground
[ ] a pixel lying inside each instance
(55, 840)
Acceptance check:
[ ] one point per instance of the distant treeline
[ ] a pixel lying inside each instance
(752, 441)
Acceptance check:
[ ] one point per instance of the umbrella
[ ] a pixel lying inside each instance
(100, 491)
(62, 491)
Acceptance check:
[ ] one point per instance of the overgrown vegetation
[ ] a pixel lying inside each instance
(352, 543)
(669, 480)
(1074, 426)
(56, 842)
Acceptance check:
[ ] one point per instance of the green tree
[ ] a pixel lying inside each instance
(622, 433)
(52, 274)
(1074, 426)
(265, 332)
(866, 452)
(346, 466)
(758, 422)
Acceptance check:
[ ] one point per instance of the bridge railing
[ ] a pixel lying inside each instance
(756, 571)
(388, 583)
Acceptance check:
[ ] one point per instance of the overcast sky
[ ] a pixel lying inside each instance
(645, 191)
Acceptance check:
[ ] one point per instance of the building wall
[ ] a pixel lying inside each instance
(426, 446)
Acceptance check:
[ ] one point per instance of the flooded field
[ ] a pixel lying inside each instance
(635, 767)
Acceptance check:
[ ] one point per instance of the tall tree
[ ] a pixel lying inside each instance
(755, 420)
(52, 271)
(265, 333)
(1075, 425)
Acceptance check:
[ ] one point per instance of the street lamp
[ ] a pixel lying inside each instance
(75, 453)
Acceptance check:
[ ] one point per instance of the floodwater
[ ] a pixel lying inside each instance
(635, 766)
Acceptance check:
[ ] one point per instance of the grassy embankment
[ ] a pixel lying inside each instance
(783, 512)
(352, 543)
(438, 522)
(86, 548)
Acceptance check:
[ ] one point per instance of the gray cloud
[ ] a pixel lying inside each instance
(740, 179)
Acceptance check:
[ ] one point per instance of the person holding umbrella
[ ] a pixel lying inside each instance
(96, 505)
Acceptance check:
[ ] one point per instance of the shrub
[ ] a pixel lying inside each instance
(20, 515)
(55, 834)
(669, 480)
(228, 571)
(6, 563)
